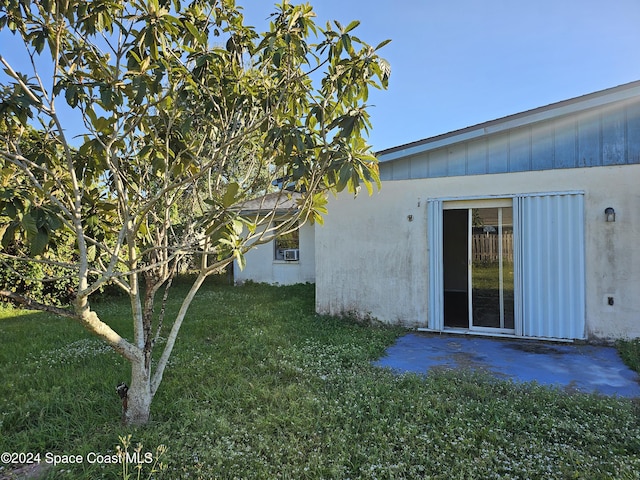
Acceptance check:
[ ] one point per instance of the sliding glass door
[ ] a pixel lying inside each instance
(491, 268)
(478, 257)
(482, 279)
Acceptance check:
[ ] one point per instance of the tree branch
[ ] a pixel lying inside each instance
(34, 98)
(33, 305)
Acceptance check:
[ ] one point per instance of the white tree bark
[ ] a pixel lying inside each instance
(137, 405)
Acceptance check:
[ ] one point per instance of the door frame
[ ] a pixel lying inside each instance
(523, 294)
(469, 205)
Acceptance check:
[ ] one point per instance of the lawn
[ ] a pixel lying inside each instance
(261, 387)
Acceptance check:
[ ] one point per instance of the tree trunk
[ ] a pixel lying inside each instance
(136, 406)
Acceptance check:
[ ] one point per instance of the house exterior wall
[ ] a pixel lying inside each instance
(372, 258)
(262, 268)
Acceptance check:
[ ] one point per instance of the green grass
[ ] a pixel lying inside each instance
(630, 352)
(261, 387)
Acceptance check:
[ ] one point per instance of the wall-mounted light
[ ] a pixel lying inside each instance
(610, 214)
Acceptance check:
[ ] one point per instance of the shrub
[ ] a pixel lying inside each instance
(26, 278)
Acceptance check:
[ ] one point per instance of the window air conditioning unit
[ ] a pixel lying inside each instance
(292, 255)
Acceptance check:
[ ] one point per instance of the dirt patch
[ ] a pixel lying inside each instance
(468, 360)
(536, 348)
(34, 471)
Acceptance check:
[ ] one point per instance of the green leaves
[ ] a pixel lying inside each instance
(100, 124)
(230, 240)
(318, 208)
(188, 112)
(33, 225)
(230, 196)
(15, 102)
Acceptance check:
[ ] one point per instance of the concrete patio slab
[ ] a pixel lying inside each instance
(582, 368)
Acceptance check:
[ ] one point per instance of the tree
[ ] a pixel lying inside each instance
(187, 113)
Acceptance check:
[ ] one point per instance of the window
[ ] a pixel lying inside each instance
(287, 246)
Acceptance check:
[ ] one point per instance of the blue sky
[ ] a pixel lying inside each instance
(456, 63)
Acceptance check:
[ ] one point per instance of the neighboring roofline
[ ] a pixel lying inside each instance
(554, 110)
(277, 212)
(281, 203)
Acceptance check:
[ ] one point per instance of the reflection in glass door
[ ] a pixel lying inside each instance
(491, 279)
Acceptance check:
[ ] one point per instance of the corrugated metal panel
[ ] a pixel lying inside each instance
(435, 306)
(553, 272)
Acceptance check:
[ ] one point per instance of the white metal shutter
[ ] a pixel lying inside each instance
(435, 305)
(552, 265)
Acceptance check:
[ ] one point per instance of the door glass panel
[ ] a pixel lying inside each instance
(492, 302)
(455, 248)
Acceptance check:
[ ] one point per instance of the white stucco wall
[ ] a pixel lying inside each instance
(372, 260)
(262, 268)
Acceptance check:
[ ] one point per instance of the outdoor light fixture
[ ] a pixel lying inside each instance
(610, 214)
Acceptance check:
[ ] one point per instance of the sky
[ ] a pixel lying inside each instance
(457, 63)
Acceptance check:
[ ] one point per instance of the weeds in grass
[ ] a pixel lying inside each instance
(260, 388)
(630, 352)
(138, 460)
